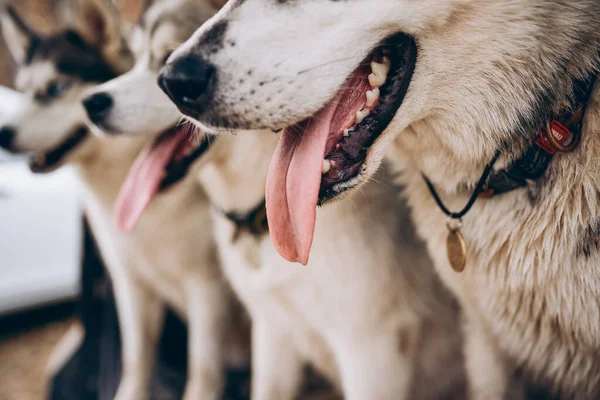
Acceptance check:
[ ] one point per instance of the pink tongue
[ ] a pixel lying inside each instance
(293, 185)
(144, 179)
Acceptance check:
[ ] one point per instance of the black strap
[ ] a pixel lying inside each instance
(254, 221)
(535, 161)
(478, 190)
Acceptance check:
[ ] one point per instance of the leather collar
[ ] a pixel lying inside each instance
(558, 135)
(253, 222)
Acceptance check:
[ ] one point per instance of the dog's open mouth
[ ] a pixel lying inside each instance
(49, 161)
(321, 157)
(163, 163)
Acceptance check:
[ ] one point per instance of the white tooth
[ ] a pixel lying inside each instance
(326, 166)
(361, 115)
(372, 96)
(376, 80)
(381, 69)
(347, 132)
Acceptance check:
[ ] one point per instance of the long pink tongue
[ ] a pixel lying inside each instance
(144, 179)
(293, 186)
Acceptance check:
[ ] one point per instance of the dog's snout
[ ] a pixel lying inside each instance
(7, 136)
(97, 105)
(189, 83)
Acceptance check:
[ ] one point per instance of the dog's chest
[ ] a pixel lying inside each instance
(524, 280)
(268, 289)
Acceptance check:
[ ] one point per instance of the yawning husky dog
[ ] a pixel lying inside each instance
(170, 258)
(452, 87)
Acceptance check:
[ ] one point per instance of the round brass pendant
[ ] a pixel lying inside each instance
(457, 250)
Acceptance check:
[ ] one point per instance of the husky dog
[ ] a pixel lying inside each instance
(368, 312)
(363, 315)
(170, 257)
(449, 87)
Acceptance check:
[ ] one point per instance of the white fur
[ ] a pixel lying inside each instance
(170, 258)
(530, 287)
(65, 349)
(361, 312)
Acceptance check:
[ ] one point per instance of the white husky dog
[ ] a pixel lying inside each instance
(368, 312)
(495, 91)
(170, 257)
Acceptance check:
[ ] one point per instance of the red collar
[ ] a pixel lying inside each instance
(558, 135)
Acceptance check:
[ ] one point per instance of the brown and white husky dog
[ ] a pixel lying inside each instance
(447, 85)
(170, 257)
(369, 311)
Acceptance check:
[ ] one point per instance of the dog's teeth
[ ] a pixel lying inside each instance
(326, 166)
(361, 115)
(347, 132)
(372, 96)
(376, 80)
(382, 68)
(379, 75)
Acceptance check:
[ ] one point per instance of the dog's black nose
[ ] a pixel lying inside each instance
(189, 82)
(97, 105)
(7, 136)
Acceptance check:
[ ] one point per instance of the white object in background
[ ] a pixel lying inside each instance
(40, 237)
(40, 229)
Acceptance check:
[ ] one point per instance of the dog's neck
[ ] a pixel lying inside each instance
(560, 134)
(421, 148)
(234, 172)
(105, 164)
(488, 91)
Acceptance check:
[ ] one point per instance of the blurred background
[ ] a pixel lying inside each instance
(41, 252)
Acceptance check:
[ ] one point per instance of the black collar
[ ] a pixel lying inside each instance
(560, 134)
(253, 222)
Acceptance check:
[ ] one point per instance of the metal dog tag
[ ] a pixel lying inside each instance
(455, 247)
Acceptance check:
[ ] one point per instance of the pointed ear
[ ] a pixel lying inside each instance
(99, 23)
(18, 35)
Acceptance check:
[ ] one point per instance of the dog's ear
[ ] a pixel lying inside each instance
(100, 24)
(18, 35)
(134, 34)
(218, 3)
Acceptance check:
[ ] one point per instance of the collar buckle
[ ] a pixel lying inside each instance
(555, 137)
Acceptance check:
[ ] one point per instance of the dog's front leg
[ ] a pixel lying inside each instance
(207, 302)
(487, 372)
(277, 370)
(378, 365)
(140, 319)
